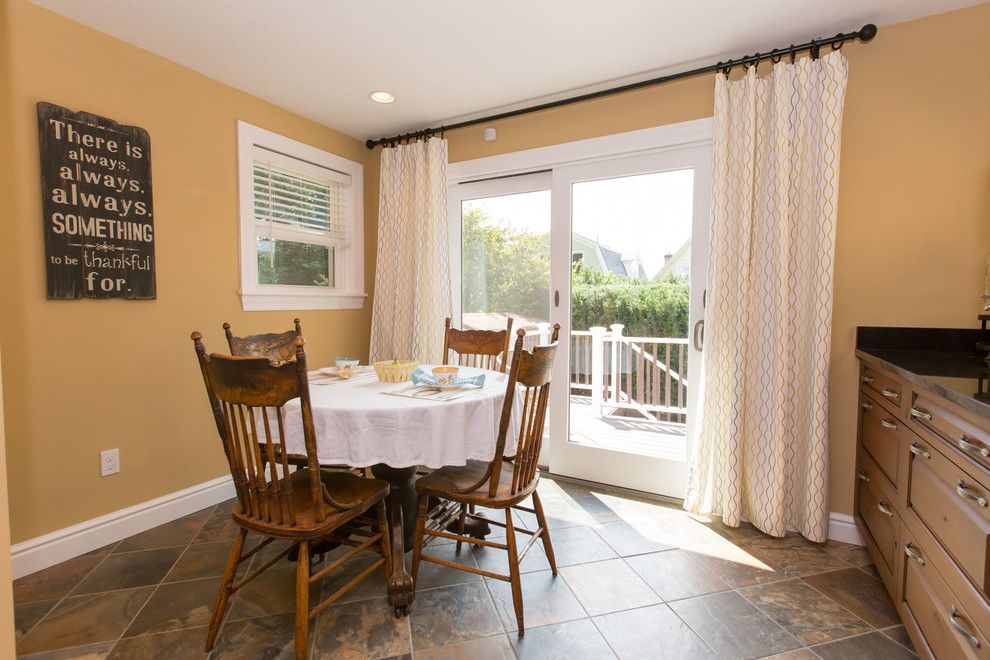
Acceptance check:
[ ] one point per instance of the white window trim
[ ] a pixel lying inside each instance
(348, 290)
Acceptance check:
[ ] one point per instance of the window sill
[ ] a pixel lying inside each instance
(266, 302)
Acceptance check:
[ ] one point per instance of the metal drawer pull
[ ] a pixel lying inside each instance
(973, 448)
(887, 424)
(954, 617)
(919, 451)
(862, 476)
(890, 394)
(867, 379)
(866, 406)
(921, 413)
(885, 509)
(913, 554)
(966, 493)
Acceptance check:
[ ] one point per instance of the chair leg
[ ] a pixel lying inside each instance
(226, 583)
(418, 536)
(385, 545)
(517, 601)
(460, 525)
(541, 520)
(302, 602)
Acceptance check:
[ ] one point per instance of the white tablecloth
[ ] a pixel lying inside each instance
(359, 424)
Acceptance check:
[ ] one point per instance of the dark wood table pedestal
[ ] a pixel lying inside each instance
(401, 507)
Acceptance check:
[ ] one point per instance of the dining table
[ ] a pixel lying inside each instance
(395, 429)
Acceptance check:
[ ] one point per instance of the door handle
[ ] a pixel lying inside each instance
(556, 298)
(698, 335)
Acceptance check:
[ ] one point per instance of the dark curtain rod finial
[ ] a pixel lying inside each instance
(864, 34)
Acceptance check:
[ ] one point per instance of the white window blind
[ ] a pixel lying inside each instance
(315, 200)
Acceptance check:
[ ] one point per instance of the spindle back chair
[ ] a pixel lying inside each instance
(249, 397)
(503, 483)
(485, 349)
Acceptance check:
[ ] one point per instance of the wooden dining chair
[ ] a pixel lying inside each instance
(280, 347)
(503, 483)
(485, 349)
(307, 506)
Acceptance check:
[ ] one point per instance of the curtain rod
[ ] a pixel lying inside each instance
(864, 34)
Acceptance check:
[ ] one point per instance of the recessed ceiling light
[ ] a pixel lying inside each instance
(381, 97)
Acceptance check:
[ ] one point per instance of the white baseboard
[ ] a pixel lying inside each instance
(43, 551)
(842, 527)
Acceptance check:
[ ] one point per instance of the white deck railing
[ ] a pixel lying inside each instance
(647, 374)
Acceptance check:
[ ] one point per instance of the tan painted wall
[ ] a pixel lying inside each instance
(81, 376)
(914, 197)
(7, 635)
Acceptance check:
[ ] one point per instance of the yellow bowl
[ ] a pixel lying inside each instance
(395, 371)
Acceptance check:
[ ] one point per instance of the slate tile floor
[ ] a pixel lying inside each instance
(638, 579)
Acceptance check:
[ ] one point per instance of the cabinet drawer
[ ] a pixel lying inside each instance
(954, 507)
(970, 437)
(883, 435)
(949, 628)
(882, 523)
(885, 385)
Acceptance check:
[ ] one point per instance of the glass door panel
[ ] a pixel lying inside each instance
(504, 255)
(630, 291)
(630, 242)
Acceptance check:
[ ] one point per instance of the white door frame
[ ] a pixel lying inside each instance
(557, 158)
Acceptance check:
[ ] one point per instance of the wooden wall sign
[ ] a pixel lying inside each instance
(96, 206)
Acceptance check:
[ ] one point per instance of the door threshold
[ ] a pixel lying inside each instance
(618, 490)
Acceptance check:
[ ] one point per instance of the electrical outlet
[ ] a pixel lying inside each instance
(109, 462)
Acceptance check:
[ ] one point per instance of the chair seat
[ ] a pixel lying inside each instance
(453, 481)
(357, 493)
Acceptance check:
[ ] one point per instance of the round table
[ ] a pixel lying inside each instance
(363, 422)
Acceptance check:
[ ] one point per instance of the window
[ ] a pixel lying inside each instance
(301, 218)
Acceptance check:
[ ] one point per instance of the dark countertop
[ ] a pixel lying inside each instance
(943, 361)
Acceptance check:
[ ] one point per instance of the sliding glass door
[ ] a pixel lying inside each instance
(615, 251)
(629, 258)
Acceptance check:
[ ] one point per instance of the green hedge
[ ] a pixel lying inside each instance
(646, 308)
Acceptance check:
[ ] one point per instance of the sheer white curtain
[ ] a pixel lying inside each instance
(761, 451)
(412, 272)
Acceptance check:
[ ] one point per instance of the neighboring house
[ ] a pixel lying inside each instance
(678, 263)
(597, 257)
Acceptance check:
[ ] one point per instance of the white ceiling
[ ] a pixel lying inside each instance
(451, 59)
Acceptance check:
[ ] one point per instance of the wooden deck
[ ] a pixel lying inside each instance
(636, 435)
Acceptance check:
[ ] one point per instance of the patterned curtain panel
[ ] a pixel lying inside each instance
(412, 273)
(761, 451)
